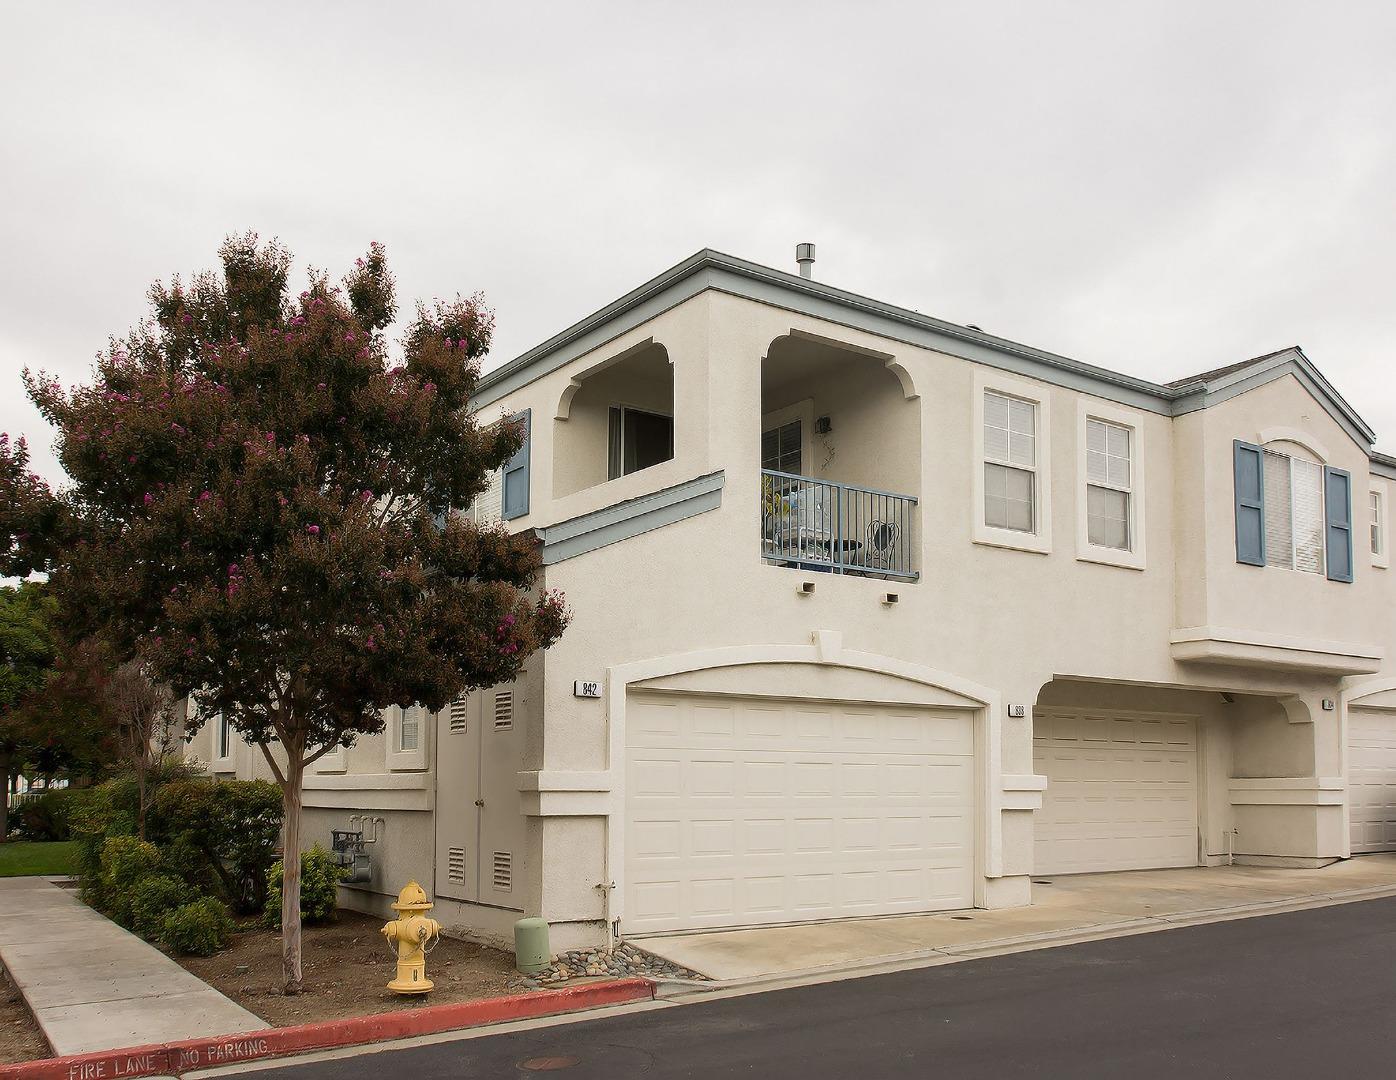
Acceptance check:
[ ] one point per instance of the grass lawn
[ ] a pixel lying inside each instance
(20, 858)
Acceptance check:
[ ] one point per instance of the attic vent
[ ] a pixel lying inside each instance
(503, 710)
(455, 865)
(503, 871)
(457, 721)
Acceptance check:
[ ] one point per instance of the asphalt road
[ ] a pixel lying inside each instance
(1309, 994)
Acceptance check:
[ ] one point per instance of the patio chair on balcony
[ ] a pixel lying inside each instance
(881, 551)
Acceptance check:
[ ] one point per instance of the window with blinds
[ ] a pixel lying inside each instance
(409, 731)
(1010, 462)
(1109, 484)
(780, 448)
(489, 504)
(1294, 521)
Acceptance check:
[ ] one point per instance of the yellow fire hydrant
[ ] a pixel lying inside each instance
(410, 932)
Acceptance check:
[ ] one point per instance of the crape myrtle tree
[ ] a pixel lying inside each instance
(27, 654)
(260, 510)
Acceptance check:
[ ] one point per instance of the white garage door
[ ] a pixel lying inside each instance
(1121, 791)
(761, 810)
(1372, 779)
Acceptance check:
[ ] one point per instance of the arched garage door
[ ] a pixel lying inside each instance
(748, 810)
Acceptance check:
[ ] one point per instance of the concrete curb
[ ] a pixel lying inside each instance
(677, 990)
(174, 1058)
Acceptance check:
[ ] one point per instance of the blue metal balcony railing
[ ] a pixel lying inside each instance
(837, 528)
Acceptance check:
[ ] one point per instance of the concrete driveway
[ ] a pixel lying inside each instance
(1066, 909)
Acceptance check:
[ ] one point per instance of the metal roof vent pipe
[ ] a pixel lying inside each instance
(804, 255)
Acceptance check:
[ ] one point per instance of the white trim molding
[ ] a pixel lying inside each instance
(1287, 791)
(1134, 557)
(1246, 648)
(1023, 792)
(1040, 539)
(1298, 438)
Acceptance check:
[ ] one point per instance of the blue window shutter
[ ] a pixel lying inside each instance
(516, 473)
(1248, 467)
(1337, 512)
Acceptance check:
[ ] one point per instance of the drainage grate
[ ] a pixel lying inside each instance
(1040, 881)
(963, 918)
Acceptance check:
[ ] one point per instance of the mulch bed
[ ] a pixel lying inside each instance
(346, 966)
(20, 1039)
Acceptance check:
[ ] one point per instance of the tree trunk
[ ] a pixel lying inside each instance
(5, 800)
(291, 876)
(140, 802)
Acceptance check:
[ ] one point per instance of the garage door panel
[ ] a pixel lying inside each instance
(1121, 792)
(1372, 779)
(850, 811)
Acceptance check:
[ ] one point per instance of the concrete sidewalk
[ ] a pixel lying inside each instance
(93, 986)
(1065, 909)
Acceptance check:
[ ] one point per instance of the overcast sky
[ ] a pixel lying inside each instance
(1158, 188)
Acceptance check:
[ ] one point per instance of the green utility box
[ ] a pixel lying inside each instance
(531, 952)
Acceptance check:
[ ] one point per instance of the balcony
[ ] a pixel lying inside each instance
(836, 528)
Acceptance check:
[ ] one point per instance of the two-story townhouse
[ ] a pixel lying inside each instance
(880, 614)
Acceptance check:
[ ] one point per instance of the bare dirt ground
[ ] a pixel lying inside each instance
(19, 1035)
(346, 966)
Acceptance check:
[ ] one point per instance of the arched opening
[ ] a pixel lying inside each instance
(616, 420)
(840, 459)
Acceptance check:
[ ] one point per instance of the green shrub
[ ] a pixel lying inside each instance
(320, 878)
(93, 818)
(153, 901)
(224, 834)
(199, 928)
(48, 817)
(125, 863)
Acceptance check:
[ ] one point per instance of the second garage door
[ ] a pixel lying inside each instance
(1372, 779)
(749, 810)
(1121, 791)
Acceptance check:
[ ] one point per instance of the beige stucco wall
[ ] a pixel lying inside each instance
(993, 624)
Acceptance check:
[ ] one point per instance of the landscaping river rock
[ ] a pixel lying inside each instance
(623, 961)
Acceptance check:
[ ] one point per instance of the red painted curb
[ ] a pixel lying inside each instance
(176, 1057)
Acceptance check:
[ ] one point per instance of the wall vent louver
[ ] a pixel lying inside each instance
(458, 716)
(455, 865)
(503, 871)
(503, 710)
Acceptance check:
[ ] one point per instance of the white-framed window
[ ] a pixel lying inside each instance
(1377, 531)
(222, 743)
(1294, 521)
(335, 761)
(1012, 491)
(407, 737)
(637, 439)
(1110, 486)
(489, 504)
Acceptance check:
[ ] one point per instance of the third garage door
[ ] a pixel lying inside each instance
(1372, 779)
(1121, 791)
(749, 810)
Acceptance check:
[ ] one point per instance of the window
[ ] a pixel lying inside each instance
(224, 735)
(514, 498)
(1010, 475)
(1292, 513)
(1010, 463)
(409, 730)
(489, 504)
(780, 447)
(407, 737)
(1374, 506)
(636, 440)
(1109, 485)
